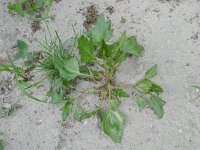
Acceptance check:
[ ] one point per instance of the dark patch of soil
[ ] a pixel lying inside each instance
(91, 16)
(35, 26)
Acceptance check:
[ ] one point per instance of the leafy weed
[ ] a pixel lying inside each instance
(98, 62)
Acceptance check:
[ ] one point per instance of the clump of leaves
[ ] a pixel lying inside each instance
(35, 9)
(95, 49)
(99, 60)
(61, 68)
(22, 76)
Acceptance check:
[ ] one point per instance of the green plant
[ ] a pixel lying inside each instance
(61, 68)
(22, 75)
(93, 46)
(99, 59)
(123, 20)
(35, 9)
(1, 144)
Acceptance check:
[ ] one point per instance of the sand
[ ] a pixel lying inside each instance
(169, 32)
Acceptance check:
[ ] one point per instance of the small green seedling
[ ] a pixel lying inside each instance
(34, 9)
(98, 62)
(123, 20)
(23, 51)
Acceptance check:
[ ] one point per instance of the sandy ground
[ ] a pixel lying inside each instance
(169, 32)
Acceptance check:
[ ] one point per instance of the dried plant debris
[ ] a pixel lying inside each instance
(35, 26)
(3, 58)
(9, 109)
(6, 86)
(110, 9)
(91, 16)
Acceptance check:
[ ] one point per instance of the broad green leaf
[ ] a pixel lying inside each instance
(19, 10)
(141, 102)
(86, 50)
(156, 88)
(114, 104)
(78, 113)
(23, 47)
(120, 93)
(101, 31)
(112, 125)
(151, 72)
(144, 86)
(67, 109)
(156, 104)
(68, 68)
(130, 45)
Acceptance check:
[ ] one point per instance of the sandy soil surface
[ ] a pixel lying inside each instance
(169, 32)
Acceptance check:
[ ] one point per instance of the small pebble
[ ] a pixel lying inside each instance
(39, 122)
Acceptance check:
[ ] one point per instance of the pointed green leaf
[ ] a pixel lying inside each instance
(112, 125)
(156, 104)
(130, 45)
(156, 88)
(145, 86)
(67, 109)
(78, 113)
(151, 72)
(23, 47)
(86, 50)
(141, 102)
(101, 31)
(120, 93)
